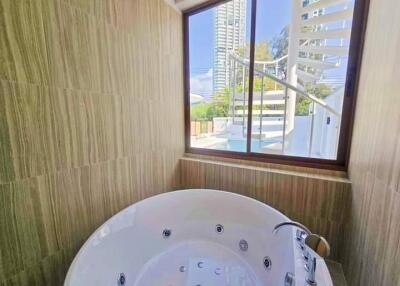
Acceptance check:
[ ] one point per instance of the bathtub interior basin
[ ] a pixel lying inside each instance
(193, 237)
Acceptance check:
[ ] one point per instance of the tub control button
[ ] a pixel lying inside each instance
(121, 280)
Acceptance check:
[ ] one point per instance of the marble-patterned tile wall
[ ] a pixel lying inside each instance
(318, 201)
(90, 94)
(371, 254)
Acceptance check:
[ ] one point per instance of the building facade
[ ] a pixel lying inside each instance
(230, 35)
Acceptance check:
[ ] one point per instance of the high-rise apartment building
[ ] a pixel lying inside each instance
(230, 35)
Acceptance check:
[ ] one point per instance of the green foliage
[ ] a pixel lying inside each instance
(199, 112)
(302, 103)
(319, 90)
(280, 43)
(218, 107)
(268, 84)
(262, 51)
(280, 48)
(302, 106)
(220, 104)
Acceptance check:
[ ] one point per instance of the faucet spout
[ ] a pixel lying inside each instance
(291, 223)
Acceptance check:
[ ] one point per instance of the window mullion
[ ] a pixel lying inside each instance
(251, 73)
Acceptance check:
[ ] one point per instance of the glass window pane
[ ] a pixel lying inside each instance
(300, 70)
(218, 84)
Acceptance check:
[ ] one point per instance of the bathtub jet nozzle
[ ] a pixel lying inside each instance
(121, 279)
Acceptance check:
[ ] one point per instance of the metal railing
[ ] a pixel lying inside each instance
(238, 62)
(288, 86)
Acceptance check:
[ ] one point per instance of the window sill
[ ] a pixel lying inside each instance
(243, 160)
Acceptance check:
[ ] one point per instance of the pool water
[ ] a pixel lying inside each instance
(238, 146)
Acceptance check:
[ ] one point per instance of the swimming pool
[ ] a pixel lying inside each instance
(237, 145)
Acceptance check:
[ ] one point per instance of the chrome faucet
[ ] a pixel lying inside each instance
(308, 240)
(292, 223)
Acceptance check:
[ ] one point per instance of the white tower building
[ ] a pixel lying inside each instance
(229, 35)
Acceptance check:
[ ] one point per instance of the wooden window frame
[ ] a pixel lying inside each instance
(349, 100)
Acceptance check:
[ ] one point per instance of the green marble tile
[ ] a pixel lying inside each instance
(6, 163)
(27, 227)
(79, 82)
(50, 271)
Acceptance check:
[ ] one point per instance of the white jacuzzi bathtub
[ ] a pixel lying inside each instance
(135, 244)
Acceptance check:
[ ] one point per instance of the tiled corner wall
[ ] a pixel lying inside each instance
(371, 254)
(89, 93)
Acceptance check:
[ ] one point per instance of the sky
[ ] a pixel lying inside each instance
(275, 15)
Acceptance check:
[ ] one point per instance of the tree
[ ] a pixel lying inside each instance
(262, 51)
(280, 43)
(320, 90)
(199, 112)
(280, 48)
(218, 107)
(220, 104)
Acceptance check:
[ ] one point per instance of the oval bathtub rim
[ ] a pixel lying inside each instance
(146, 200)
